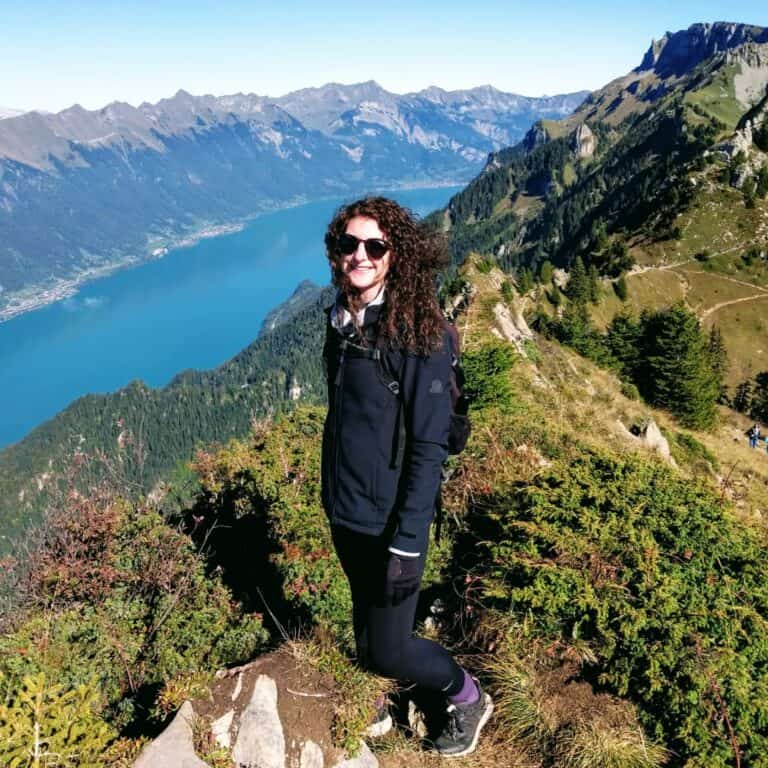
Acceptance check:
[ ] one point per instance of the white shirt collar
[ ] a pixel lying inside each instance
(341, 316)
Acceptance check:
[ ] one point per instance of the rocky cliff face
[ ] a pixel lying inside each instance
(678, 52)
(584, 141)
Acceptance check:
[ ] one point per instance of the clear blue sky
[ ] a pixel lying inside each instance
(55, 53)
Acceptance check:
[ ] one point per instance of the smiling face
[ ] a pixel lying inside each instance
(363, 272)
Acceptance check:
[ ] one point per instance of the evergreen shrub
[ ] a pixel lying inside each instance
(487, 375)
(485, 265)
(629, 390)
(42, 725)
(120, 599)
(653, 573)
(688, 450)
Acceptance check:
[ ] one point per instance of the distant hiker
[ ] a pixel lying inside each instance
(388, 364)
(754, 436)
(766, 444)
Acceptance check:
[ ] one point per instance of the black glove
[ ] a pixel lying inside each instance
(403, 578)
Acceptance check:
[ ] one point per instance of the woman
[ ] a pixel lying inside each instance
(385, 439)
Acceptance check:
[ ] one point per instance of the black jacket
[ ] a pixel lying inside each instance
(363, 487)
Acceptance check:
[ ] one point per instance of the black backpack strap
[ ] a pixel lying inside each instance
(398, 448)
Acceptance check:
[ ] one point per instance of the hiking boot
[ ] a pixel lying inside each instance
(465, 721)
(381, 723)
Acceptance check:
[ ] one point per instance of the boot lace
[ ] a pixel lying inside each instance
(453, 726)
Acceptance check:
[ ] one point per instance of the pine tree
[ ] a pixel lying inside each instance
(578, 284)
(525, 281)
(758, 408)
(623, 340)
(595, 290)
(546, 272)
(576, 330)
(762, 182)
(677, 373)
(718, 359)
(621, 288)
(742, 398)
(556, 296)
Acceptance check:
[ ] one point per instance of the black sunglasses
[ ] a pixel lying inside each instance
(374, 246)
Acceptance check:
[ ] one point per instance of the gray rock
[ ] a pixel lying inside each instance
(364, 759)
(510, 324)
(311, 756)
(221, 729)
(260, 740)
(584, 141)
(174, 747)
(653, 438)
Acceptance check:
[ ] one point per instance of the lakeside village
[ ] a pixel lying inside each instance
(38, 296)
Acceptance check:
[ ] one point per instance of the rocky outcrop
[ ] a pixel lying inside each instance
(174, 746)
(751, 81)
(740, 142)
(272, 713)
(648, 434)
(584, 142)
(260, 739)
(679, 52)
(511, 325)
(536, 135)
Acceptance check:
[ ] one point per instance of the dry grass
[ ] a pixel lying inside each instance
(594, 745)
(541, 705)
(355, 689)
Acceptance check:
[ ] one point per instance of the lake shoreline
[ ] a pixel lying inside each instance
(39, 296)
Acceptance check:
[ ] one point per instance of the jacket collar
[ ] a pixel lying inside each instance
(341, 317)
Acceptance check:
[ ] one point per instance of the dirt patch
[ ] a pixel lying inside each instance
(305, 701)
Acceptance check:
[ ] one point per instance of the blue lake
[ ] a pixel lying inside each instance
(194, 308)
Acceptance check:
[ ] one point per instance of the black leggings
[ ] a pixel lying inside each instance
(383, 631)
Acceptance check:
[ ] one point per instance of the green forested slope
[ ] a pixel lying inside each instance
(146, 433)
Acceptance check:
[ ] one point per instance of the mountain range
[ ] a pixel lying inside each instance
(84, 191)
(8, 112)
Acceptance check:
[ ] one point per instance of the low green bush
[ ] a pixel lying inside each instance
(119, 598)
(485, 264)
(629, 390)
(686, 449)
(654, 575)
(487, 371)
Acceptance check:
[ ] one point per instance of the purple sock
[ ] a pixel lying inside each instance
(468, 693)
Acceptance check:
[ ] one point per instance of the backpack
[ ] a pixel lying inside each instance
(460, 426)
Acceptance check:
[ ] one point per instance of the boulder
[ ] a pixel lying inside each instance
(511, 325)
(649, 434)
(174, 747)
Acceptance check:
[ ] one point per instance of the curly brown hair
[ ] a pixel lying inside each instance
(411, 318)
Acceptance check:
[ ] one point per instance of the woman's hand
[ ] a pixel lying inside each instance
(403, 578)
